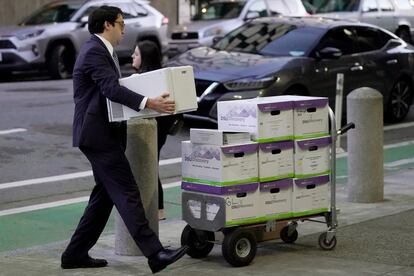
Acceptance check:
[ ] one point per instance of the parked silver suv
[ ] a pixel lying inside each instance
(51, 37)
(222, 16)
(396, 16)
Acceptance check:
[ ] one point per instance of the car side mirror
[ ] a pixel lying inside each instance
(217, 38)
(83, 21)
(329, 53)
(252, 15)
(392, 43)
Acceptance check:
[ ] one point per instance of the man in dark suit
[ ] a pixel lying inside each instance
(95, 79)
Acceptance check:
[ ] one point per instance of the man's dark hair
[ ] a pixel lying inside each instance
(101, 14)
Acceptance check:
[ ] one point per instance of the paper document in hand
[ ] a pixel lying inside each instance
(177, 81)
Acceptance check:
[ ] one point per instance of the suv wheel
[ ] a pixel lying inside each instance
(60, 62)
(399, 103)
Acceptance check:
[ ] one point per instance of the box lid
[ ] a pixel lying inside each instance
(317, 180)
(281, 184)
(320, 142)
(266, 147)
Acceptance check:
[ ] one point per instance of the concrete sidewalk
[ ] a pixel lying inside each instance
(373, 239)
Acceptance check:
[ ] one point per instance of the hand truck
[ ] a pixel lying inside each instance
(239, 244)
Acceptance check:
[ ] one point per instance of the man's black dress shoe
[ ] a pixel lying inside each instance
(165, 257)
(86, 262)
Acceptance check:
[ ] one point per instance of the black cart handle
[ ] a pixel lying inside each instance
(345, 128)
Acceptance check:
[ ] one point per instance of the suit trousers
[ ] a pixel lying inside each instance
(115, 184)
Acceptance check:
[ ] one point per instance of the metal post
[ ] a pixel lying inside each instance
(365, 146)
(143, 158)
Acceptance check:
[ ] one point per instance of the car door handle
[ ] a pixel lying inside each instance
(357, 67)
(392, 61)
(136, 25)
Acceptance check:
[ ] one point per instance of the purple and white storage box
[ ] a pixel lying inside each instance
(266, 118)
(276, 160)
(212, 211)
(219, 165)
(276, 198)
(311, 195)
(312, 157)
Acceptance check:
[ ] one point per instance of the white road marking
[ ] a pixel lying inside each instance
(43, 206)
(171, 185)
(63, 202)
(399, 163)
(10, 131)
(170, 161)
(397, 126)
(45, 180)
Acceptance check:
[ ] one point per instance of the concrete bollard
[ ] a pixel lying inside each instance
(143, 158)
(365, 146)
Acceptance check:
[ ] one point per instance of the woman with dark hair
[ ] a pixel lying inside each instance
(147, 57)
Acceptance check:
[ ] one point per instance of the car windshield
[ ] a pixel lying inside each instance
(325, 6)
(52, 13)
(271, 39)
(220, 10)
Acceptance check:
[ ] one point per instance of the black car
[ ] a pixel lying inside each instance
(302, 56)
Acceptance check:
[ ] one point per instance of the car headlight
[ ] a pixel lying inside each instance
(213, 32)
(31, 34)
(249, 83)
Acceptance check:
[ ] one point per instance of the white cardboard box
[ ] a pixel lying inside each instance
(276, 198)
(310, 116)
(312, 157)
(239, 208)
(219, 165)
(267, 119)
(178, 81)
(311, 195)
(276, 160)
(218, 137)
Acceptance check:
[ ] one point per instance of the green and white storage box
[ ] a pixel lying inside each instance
(267, 118)
(276, 160)
(310, 116)
(219, 165)
(311, 195)
(276, 198)
(204, 209)
(312, 157)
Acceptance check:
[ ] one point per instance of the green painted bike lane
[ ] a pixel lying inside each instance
(55, 224)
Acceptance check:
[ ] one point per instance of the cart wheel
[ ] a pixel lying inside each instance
(239, 247)
(198, 242)
(324, 244)
(284, 235)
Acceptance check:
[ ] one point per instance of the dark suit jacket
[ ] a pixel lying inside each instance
(95, 78)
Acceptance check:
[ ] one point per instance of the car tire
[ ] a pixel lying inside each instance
(399, 101)
(404, 34)
(60, 63)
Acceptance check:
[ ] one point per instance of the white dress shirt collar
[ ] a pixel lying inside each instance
(107, 44)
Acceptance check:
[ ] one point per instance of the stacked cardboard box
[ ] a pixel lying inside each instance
(292, 143)
(224, 166)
